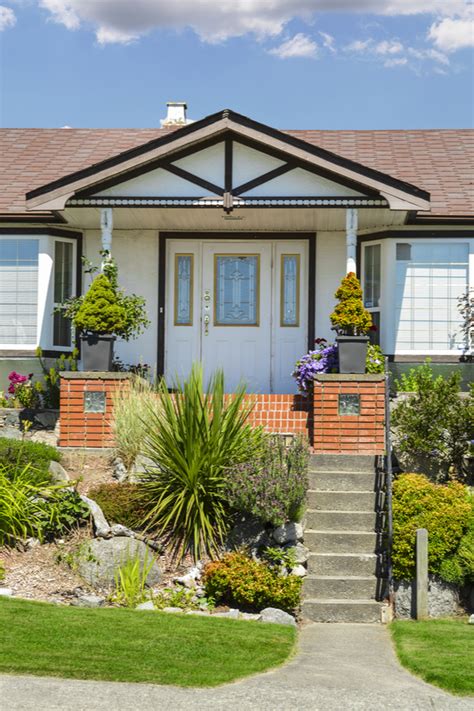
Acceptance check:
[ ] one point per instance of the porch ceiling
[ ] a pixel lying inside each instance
(243, 219)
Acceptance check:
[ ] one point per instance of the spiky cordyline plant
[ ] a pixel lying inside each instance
(193, 440)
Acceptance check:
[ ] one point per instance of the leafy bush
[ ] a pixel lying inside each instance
(272, 485)
(15, 455)
(31, 506)
(193, 440)
(129, 425)
(435, 425)
(105, 309)
(121, 503)
(349, 316)
(459, 569)
(444, 510)
(249, 584)
(50, 392)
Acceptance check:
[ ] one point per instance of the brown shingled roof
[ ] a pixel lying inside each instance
(439, 161)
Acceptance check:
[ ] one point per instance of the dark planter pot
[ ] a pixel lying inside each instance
(97, 351)
(352, 353)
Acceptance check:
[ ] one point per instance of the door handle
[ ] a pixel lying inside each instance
(206, 324)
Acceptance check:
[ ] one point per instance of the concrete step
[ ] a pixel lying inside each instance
(343, 462)
(322, 541)
(341, 520)
(321, 610)
(340, 587)
(342, 500)
(364, 564)
(342, 481)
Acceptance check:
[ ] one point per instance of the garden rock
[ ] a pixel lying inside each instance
(118, 530)
(88, 601)
(200, 613)
(248, 533)
(31, 543)
(101, 527)
(278, 617)
(101, 558)
(288, 533)
(140, 466)
(233, 614)
(120, 470)
(299, 570)
(172, 609)
(148, 605)
(10, 433)
(250, 616)
(190, 579)
(471, 620)
(300, 552)
(443, 599)
(6, 592)
(58, 474)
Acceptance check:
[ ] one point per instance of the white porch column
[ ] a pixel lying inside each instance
(352, 220)
(106, 226)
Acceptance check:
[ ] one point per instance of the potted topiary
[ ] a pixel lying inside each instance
(352, 322)
(104, 314)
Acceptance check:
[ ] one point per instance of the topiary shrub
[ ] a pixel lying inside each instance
(121, 503)
(350, 317)
(100, 311)
(250, 585)
(272, 485)
(444, 510)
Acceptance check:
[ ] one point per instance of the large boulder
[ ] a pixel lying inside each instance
(288, 533)
(277, 617)
(99, 560)
(250, 533)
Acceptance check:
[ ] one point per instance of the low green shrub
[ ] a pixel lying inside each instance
(249, 584)
(32, 506)
(15, 455)
(459, 569)
(121, 503)
(130, 581)
(444, 510)
(435, 426)
(272, 485)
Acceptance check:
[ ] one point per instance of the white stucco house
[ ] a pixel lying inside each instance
(237, 234)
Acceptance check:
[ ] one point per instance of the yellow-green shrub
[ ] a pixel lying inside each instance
(250, 584)
(443, 509)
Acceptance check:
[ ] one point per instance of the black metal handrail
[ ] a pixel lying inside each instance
(387, 468)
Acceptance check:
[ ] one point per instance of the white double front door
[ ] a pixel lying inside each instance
(237, 305)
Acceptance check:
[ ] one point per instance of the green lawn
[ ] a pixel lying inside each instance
(126, 645)
(440, 651)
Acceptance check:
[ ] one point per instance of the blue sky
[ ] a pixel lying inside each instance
(288, 63)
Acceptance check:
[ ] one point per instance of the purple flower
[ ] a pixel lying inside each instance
(324, 359)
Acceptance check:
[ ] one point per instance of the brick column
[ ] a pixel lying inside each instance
(337, 429)
(79, 425)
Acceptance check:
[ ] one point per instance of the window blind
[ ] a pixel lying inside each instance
(18, 291)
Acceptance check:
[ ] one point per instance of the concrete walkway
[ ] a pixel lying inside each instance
(338, 667)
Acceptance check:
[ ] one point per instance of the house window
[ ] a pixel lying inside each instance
(18, 291)
(183, 290)
(290, 290)
(430, 277)
(237, 289)
(63, 289)
(372, 286)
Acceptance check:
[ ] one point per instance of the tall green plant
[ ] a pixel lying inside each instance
(193, 441)
(131, 406)
(130, 580)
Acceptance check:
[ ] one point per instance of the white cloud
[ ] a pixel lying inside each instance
(451, 34)
(328, 41)
(216, 20)
(388, 47)
(359, 45)
(298, 46)
(396, 62)
(7, 18)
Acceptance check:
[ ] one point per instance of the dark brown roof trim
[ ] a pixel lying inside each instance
(51, 231)
(242, 121)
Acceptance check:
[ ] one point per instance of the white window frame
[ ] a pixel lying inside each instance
(388, 315)
(45, 302)
(380, 308)
(52, 347)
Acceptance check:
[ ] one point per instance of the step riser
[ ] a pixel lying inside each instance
(347, 588)
(342, 481)
(342, 565)
(341, 521)
(327, 542)
(341, 612)
(342, 501)
(343, 462)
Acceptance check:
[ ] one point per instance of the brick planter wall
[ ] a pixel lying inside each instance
(87, 429)
(337, 433)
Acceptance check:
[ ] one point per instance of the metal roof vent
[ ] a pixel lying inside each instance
(176, 115)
